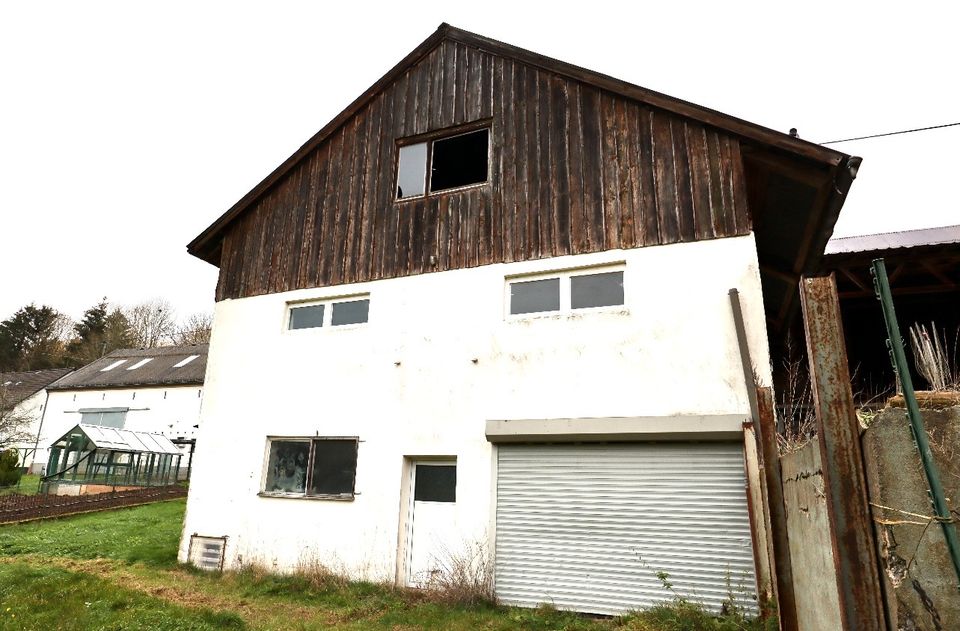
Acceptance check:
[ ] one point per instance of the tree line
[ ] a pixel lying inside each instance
(41, 337)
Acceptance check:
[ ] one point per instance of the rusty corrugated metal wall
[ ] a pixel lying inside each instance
(575, 169)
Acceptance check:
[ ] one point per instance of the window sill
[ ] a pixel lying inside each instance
(317, 330)
(576, 314)
(436, 194)
(290, 496)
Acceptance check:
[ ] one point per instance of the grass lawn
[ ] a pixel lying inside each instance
(117, 570)
(27, 486)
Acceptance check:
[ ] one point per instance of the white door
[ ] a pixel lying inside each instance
(589, 527)
(433, 539)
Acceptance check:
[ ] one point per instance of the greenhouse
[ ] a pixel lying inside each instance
(90, 457)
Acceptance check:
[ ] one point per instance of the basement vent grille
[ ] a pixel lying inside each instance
(206, 553)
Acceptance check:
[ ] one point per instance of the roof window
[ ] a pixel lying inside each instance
(140, 363)
(184, 362)
(113, 365)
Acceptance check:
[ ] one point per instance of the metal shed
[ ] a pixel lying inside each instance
(90, 457)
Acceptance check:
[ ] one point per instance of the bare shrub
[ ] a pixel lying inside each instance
(933, 357)
(795, 401)
(463, 577)
(320, 576)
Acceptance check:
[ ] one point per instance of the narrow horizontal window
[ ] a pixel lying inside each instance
(306, 317)
(328, 313)
(104, 417)
(596, 290)
(444, 163)
(566, 291)
(535, 295)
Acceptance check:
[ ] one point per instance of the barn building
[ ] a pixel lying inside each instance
(484, 314)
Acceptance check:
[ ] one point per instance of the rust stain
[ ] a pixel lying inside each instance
(851, 528)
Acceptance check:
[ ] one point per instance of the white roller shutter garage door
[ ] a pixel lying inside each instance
(587, 527)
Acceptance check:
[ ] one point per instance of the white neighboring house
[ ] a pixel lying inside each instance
(26, 393)
(484, 314)
(155, 390)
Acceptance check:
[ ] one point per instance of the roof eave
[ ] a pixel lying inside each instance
(126, 386)
(202, 246)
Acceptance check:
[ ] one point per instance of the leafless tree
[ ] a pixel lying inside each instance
(194, 330)
(14, 424)
(152, 323)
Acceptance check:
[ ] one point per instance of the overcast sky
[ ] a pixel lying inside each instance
(128, 127)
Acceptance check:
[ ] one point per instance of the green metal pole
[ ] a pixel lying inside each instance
(899, 357)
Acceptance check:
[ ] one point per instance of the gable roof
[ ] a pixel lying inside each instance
(165, 366)
(206, 244)
(19, 386)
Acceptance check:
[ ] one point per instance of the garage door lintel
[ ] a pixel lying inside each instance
(715, 427)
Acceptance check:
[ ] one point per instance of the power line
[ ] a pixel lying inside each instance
(891, 133)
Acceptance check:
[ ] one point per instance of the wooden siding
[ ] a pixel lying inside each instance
(574, 169)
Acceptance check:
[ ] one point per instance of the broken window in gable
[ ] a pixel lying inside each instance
(412, 172)
(459, 161)
(451, 162)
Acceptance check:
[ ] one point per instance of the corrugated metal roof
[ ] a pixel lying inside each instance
(128, 440)
(124, 368)
(943, 235)
(18, 386)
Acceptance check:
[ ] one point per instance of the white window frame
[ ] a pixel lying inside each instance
(327, 303)
(564, 274)
(309, 440)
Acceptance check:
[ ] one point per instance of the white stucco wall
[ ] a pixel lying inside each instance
(31, 408)
(169, 410)
(438, 359)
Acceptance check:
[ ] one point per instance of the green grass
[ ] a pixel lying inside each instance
(52, 598)
(27, 486)
(146, 534)
(117, 570)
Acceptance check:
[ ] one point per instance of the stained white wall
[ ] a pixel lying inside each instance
(437, 359)
(172, 411)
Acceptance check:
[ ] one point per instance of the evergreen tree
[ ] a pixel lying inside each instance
(99, 332)
(93, 322)
(32, 339)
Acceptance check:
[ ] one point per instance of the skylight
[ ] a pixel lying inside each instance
(140, 363)
(113, 365)
(184, 362)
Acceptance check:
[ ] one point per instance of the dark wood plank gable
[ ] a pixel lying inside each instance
(574, 169)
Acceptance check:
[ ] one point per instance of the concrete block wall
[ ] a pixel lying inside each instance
(919, 579)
